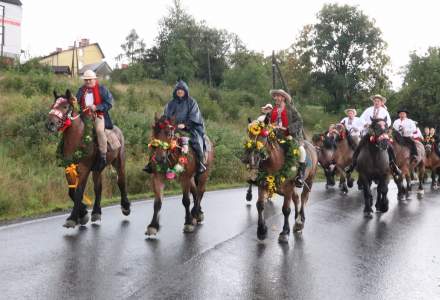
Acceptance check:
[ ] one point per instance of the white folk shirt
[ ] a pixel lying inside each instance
(406, 127)
(354, 126)
(89, 99)
(418, 134)
(373, 113)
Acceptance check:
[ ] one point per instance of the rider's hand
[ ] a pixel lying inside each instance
(92, 107)
(181, 126)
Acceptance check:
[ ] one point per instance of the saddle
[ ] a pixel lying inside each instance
(113, 142)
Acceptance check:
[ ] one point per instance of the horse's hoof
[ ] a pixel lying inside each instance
(400, 197)
(200, 218)
(188, 228)
(70, 224)
(326, 186)
(125, 211)
(283, 238)
(151, 231)
(96, 217)
(262, 232)
(368, 214)
(298, 227)
(84, 219)
(350, 183)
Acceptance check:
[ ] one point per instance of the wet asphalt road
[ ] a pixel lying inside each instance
(339, 255)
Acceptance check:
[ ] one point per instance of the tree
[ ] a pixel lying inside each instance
(420, 92)
(179, 62)
(134, 47)
(348, 55)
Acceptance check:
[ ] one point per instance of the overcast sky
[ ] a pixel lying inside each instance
(263, 25)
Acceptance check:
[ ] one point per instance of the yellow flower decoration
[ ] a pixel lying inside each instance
(282, 179)
(255, 129)
(248, 144)
(295, 152)
(259, 145)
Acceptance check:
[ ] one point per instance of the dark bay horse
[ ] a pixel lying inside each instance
(432, 162)
(373, 165)
(167, 153)
(325, 149)
(405, 165)
(63, 117)
(345, 146)
(271, 163)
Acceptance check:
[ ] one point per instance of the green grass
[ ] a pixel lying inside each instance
(32, 183)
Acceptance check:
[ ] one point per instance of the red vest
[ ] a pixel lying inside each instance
(274, 116)
(96, 98)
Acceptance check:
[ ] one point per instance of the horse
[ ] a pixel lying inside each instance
(403, 160)
(345, 146)
(63, 117)
(325, 148)
(265, 153)
(432, 162)
(168, 157)
(373, 165)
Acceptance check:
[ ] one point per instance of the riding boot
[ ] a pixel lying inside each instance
(393, 165)
(201, 168)
(148, 168)
(351, 167)
(299, 179)
(413, 151)
(100, 163)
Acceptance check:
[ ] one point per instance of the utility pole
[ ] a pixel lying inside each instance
(273, 70)
(209, 70)
(2, 41)
(73, 59)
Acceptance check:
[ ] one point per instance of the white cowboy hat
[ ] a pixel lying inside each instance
(89, 74)
(267, 106)
(377, 96)
(350, 109)
(282, 93)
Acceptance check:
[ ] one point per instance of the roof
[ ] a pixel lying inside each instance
(55, 53)
(102, 66)
(61, 69)
(14, 2)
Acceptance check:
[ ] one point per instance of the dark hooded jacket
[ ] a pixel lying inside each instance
(186, 111)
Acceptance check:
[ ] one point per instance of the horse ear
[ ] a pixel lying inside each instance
(267, 120)
(55, 94)
(156, 116)
(68, 94)
(371, 119)
(249, 120)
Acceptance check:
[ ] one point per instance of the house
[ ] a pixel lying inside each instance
(10, 33)
(101, 69)
(75, 57)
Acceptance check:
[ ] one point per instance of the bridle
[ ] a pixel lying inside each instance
(66, 118)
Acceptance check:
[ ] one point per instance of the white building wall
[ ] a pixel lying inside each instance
(13, 15)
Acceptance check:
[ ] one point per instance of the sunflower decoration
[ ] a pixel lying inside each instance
(255, 128)
(271, 185)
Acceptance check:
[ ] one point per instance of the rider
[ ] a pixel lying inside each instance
(406, 127)
(185, 110)
(286, 118)
(95, 101)
(353, 124)
(377, 111)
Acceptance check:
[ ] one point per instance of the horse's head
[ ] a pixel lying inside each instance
(379, 130)
(341, 132)
(428, 148)
(259, 135)
(60, 110)
(163, 137)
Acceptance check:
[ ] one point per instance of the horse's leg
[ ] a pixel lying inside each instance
(400, 188)
(284, 235)
(119, 165)
(382, 200)
(298, 226)
(301, 219)
(262, 228)
(79, 211)
(97, 186)
(249, 193)
(368, 197)
(197, 212)
(342, 180)
(157, 186)
(421, 175)
(186, 201)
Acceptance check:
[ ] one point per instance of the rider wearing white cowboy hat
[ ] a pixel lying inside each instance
(377, 111)
(353, 124)
(96, 100)
(286, 118)
(406, 128)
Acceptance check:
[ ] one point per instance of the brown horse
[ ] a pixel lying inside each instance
(63, 117)
(432, 162)
(167, 153)
(345, 146)
(406, 166)
(325, 149)
(272, 163)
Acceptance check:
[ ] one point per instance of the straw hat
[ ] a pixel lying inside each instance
(350, 109)
(282, 93)
(267, 106)
(89, 74)
(377, 96)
